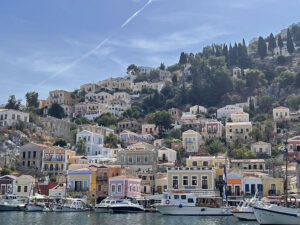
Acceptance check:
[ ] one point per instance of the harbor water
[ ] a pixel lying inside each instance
(90, 218)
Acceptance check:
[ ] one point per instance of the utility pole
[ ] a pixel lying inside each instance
(286, 173)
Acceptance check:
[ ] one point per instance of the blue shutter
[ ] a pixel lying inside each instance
(71, 184)
(85, 183)
(247, 187)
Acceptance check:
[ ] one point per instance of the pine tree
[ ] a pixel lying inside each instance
(289, 42)
(280, 43)
(262, 48)
(272, 43)
(183, 58)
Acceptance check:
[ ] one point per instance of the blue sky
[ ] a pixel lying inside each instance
(61, 44)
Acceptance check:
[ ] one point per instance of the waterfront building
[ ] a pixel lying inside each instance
(24, 185)
(124, 186)
(7, 184)
(80, 180)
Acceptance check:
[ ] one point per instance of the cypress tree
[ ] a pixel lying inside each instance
(272, 43)
(230, 55)
(289, 42)
(183, 58)
(225, 53)
(262, 48)
(280, 43)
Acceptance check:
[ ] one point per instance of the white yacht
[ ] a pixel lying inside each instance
(244, 211)
(13, 203)
(127, 206)
(276, 214)
(187, 204)
(105, 205)
(36, 204)
(70, 205)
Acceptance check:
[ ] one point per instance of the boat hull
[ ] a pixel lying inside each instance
(193, 211)
(11, 208)
(127, 209)
(273, 216)
(34, 208)
(249, 216)
(66, 209)
(101, 209)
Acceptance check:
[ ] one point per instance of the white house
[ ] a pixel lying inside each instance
(94, 143)
(10, 117)
(167, 155)
(145, 69)
(226, 111)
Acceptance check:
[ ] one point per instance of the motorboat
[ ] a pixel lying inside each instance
(244, 211)
(70, 205)
(188, 204)
(127, 206)
(13, 203)
(276, 214)
(36, 204)
(105, 204)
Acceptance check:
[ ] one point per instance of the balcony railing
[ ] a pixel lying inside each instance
(53, 160)
(102, 178)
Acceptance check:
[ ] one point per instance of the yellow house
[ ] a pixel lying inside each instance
(235, 130)
(161, 185)
(239, 117)
(24, 185)
(80, 180)
(261, 147)
(272, 186)
(191, 179)
(200, 161)
(54, 160)
(191, 141)
(60, 97)
(281, 113)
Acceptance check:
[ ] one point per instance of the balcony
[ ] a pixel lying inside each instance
(100, 178)
(53, 160)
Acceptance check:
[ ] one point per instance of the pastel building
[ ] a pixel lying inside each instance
(80, 180)
(197, 109)
(7, 184)
(59, 97)
(235, 184)
(213, 128)
(294, 144)
(24, 185)
(149, 129)
(191, 141)
(226, 111)
(167, 155)
(252, 185)
(128, 137)
(281, 114)
(236, 130)
(239, 117)
(10, 117)
(124, 186)
(54, 160)
(261, 147)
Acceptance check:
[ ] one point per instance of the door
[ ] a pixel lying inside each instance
(237, 190)
(253, 189)
(164, 157)
(3, 189)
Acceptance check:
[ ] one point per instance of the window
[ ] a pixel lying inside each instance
(24, 155)
(113, 188)
(185, 180)
(28, 163)
(145, 158)
(29, 154)
(273, 187)
(138, 158)
(25, 189)
(205, 163)
(230, 130)
(122, 159)
(34, 154)
(99, 187)
(183, 197)
(204, 182)
(194, 163)
(119, 188)
(175, 182)
(130, 159)
(133, 188)
(19, 188)
(194, 181)
(130, 188)
(190, 200)
(260, 150)
(260, 167)
(254, 149)
(176, 196)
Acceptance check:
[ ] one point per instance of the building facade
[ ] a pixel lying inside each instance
(10, 117)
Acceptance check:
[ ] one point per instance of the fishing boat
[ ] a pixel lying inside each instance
(70, 205)
(105, 204)
(36, 204)
(188, 204)
(128, 205)
(244, 211)
(13, 203)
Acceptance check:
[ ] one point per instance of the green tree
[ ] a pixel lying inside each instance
(280, 43)
(289, 42)
(106, 119)
(111, 141)
(60, 142)
(272, 43)
(297, 80)
(269, 130)
(81, 147)
(82, 120)
(286, 78)
(215, 146)
(12, 103)
(56, 111)
(256, 133)
(174, 79)
(5, 171)
(294, 102)
(262, 48)
(132, 67)
(32, 99)
(183, 58)
(162, 119)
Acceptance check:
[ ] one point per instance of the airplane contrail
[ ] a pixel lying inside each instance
(92, 51)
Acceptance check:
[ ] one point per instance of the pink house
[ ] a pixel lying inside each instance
(81, 108)
(124, 186)
(213, 128)
(294, 148)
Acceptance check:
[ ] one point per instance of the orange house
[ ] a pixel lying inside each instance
(234, 184)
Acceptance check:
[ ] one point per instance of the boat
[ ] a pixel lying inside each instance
(13, 203)
(36, 204)
(188, 204)
(128, 205)
(276, 214)
(105, 204)
(70, 205)
(244, 211)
